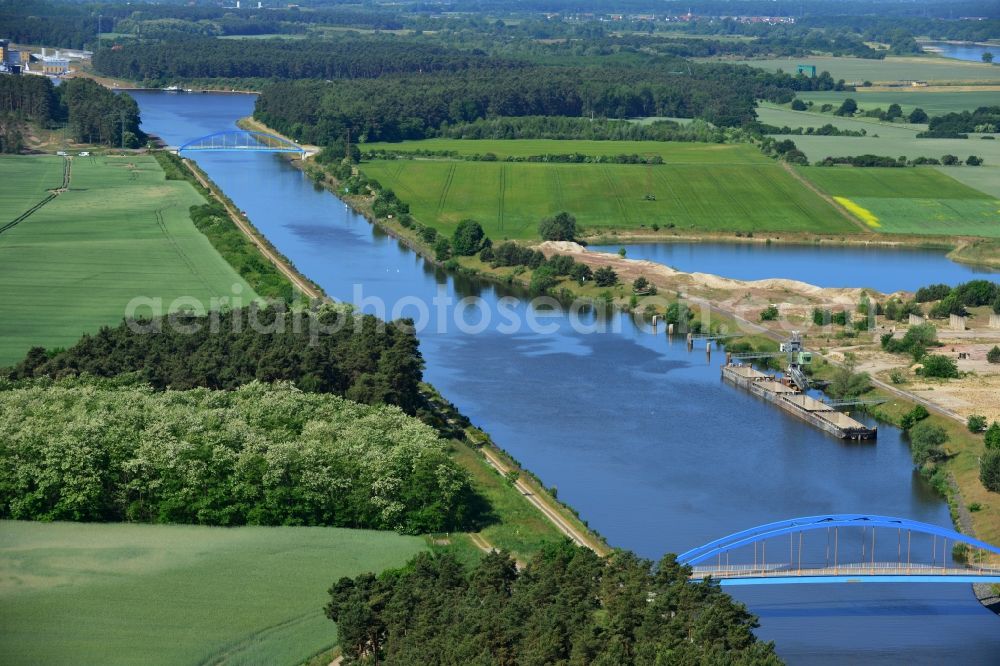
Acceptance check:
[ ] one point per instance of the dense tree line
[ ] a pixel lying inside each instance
(560, 158)
(49, 23)
(775, 41)
(92, 113)
(868, 160)
(31, 98)
(330, 351)
(567, 606)
(24, 99)
(393, 108)
(97, 115)
(985, 120)
(825, 130)
(347, 57)
(73, 25)
(599, 129)
(90, 450)
(955, 300)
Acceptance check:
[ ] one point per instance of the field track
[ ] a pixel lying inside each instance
(119, 237)
(67, 175)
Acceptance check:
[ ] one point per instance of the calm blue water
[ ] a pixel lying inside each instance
(972, 52)
(637, 433)
(884, 269)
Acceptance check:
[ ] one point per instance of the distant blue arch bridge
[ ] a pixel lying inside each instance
(844, 548)
(242, 141)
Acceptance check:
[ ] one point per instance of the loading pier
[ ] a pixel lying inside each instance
(790, 398)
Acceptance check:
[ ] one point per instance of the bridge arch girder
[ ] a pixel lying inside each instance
(242, 141)
(808, 523)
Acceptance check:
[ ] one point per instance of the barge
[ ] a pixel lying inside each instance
(791, 399)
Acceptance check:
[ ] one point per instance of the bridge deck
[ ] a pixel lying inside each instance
(891, 569)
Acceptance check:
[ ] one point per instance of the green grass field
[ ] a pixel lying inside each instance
(913, 201)
(934, 103)
(784, 116)
(889, 70)
(892, 139)
(672, 152)
(163, 594)
(26, 181)
(985, 179)
(122, 231)
(509, 199)
(818, 147)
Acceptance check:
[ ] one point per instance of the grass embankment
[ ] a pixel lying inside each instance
(917, 200)
(121, 231)
(509, 199)
(159, 594)
(518, 524)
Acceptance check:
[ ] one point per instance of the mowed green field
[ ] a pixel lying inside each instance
(889, 70)
(509, 199)
(672, 152)
(74, 593)
(122, 231)
(918, 200)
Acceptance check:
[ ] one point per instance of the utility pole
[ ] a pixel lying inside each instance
(348, 149)
(123, 129)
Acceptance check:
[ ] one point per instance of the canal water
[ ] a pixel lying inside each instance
(637, 433)
(963, 51)
(880, 268)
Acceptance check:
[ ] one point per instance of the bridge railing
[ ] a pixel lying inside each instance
(241, 141)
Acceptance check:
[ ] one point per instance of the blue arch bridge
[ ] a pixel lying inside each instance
(242, 141)
(844, 548)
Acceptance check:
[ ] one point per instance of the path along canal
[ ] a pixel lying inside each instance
(638, 434)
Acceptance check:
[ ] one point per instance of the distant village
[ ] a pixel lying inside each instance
(46, 62)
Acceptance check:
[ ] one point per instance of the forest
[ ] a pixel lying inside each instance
(567, 606)
(395, 108)
(349, 57)
(331, 350)
(562, 127)
(72, 25)
(92, 113)
(101, 450)
(985, 120)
